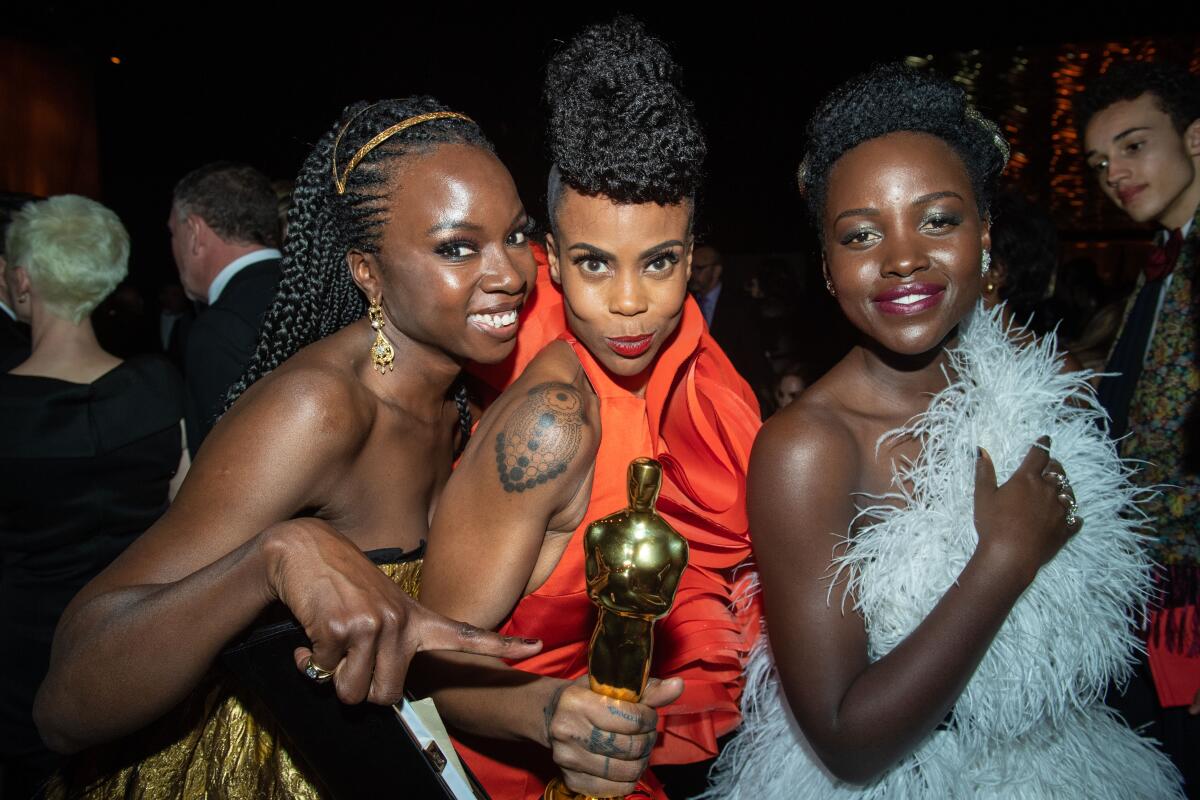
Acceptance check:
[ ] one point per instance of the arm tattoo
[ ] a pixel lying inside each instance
(551, 709)
(541, 437)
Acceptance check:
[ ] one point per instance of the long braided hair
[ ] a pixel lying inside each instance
(316, 295)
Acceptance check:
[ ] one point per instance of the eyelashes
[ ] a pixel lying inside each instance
(462, 249)
(935, 222)
(457, 250)
(655, 265)
(943, 219)
(663, 261)
(856, 236)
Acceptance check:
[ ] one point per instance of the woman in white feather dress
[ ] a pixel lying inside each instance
(948, 547)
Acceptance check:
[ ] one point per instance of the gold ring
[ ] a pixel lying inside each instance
(318, 674)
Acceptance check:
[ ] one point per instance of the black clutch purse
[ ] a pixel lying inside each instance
(363, 751)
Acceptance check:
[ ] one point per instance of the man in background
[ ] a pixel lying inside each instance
(1141, 126)
(225, 237)
(733, 319)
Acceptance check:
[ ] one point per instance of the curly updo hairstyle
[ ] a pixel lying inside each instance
(619, 124)
(316, 295)
(892, 98)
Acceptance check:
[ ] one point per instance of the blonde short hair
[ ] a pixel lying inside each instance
(75, 250)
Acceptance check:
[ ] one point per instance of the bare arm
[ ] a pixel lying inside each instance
(862, 717)
(139, 636)
(528, 460)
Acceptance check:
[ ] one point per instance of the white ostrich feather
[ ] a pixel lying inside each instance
(1030, 722)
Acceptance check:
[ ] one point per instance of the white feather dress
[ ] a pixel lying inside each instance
(1031, 722)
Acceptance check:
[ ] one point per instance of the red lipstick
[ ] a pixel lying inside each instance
(911, 298)
(630, 346)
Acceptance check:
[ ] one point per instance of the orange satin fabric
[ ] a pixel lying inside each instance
(699, 418)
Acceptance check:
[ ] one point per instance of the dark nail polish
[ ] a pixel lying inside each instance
(530, 641)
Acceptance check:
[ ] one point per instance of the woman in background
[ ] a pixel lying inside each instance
(90, 450)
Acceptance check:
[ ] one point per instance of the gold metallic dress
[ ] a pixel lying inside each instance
(219, 743)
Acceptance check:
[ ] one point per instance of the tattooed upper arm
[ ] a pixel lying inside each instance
(541, 437)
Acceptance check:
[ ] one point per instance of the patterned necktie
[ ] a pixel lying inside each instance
(1163, 257)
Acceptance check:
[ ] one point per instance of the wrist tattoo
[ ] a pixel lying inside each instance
(541, 437)
(551, 708)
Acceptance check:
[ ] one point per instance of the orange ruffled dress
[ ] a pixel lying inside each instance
(699, 418)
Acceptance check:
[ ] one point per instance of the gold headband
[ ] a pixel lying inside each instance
(380, 138)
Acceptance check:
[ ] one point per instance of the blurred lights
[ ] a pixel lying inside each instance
(1031, 94)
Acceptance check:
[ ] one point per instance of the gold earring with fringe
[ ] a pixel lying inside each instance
(382, 352)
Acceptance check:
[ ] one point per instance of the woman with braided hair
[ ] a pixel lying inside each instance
(934, 634)
(614, 362)
(407, 248)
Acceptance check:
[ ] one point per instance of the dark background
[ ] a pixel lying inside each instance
(259, 83)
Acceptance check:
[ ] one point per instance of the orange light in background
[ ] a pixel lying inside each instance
(115, 59)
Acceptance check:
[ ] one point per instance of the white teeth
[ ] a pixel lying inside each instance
(495, 320)
(909, 299)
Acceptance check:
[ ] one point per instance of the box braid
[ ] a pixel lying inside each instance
(316, 295)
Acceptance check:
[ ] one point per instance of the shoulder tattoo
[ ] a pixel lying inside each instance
(541, 437)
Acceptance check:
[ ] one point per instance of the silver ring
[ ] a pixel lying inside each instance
(1059, 479)
(1072, 517)
(315, 673)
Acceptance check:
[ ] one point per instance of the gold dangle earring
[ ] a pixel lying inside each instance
(382, 352)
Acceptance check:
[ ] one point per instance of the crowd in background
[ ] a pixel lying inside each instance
(107, 430)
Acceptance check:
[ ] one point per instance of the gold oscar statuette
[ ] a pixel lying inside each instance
(633, 561)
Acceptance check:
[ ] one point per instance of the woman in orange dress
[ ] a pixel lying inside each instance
(629, 371)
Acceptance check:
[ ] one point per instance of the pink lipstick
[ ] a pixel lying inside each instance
(630, 346)
(911, 298)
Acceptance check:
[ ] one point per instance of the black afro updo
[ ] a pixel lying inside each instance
(619, 124)
(892, 98)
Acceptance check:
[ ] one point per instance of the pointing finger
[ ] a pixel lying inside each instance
(436, 632)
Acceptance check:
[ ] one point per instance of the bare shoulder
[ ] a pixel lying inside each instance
(281, 449)
(804, 467)
(809, 429)
(311, 396)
